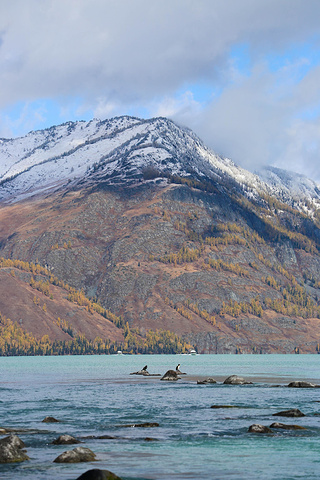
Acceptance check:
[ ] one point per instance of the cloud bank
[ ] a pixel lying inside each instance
(256, 61)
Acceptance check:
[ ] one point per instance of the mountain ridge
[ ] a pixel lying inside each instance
(117, 151)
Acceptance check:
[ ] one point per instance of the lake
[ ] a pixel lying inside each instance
(96, 395)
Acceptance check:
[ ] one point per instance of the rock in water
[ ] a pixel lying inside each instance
(257, 428)
(65, 440)
(283, 426)
(206, 381)
(299, 384)
(50, 420)
(170, 375)
(235, 380)
(78, 454)
(97, 474)
(294, 412)
(11, 450)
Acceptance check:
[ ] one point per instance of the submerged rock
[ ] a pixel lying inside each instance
(170, 375)
(65, 440)
(206, 381)
(142, 425)
(223, 406)
(50, 420)
(300, 384)
(235, 380)
(78, 454)
(257, 428)
(11, 450)
(286, 427)
(293, 412)
(97, 474)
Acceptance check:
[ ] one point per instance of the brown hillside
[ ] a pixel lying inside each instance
(144, 253)
(36, 313)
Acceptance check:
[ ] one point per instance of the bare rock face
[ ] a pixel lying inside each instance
(235, 380)
(97, 474)
(11, 450)
(65, 440)
(257, 428)
(170, 375)
(77, 455)
(293, 412)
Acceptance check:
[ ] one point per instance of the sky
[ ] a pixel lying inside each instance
(242, 74)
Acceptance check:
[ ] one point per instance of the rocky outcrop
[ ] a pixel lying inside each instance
(65, 440)
(77, 455)
(11, 450)
(293, 412)
(235, 380)
(97, 474)
(170, 375)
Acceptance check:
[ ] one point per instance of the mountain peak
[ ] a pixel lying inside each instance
(119, 151)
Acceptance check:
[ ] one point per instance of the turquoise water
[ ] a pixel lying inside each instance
(95, 395)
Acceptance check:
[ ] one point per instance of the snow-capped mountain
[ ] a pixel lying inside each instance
(119, 151)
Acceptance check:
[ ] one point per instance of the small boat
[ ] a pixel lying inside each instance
(193, 352)
(119, 352)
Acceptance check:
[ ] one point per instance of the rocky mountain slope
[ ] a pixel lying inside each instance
(143, 217)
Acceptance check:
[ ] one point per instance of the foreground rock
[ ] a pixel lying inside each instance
(235, 380)
(96, 474)
(50, 420)
(77, 455)
(286, 427)
(65, 440)
(299, 384)
(257, 428)
(11, 450)
(206, 381)
(170, 375)
(294, 412)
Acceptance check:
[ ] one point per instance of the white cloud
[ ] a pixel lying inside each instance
(121, 55)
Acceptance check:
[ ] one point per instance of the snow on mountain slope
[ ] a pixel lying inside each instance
(119, 150)
(289, 183)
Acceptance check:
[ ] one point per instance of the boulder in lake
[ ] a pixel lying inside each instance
(301, 384)
(257, 428)
(77, 455)
(97, 474)
(65, 440)
(50, 420)
(283, 426)
(235, 380)
(206, 381)
(293, 412)
(170, 375)
(11, 450)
